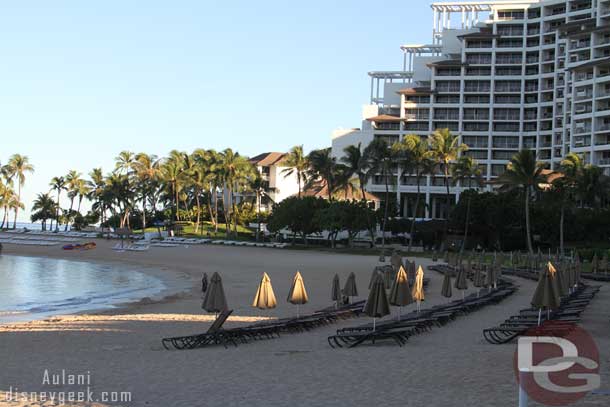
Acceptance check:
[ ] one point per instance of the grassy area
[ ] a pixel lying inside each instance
(206, 230)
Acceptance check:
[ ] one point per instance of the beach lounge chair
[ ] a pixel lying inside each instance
(213, 336)
(562, 318)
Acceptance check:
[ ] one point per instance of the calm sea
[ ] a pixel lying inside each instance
(34, 288)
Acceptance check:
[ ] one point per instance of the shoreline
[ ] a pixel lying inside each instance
(175, 284)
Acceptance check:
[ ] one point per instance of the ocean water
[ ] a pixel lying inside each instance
(36, 226)
(34, 288)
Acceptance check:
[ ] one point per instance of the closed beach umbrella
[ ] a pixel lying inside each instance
(400, 293)
(492, 276)
(418, 287)
(461, 283)
(350, 289)
(603, 265)
(335, 293)
(264, 298)
(446, 290)
(562, 283)
(377, 270)
(478, 279)
(297, 294)
(546, 295)
(215, 300)
(204, 283)
(396, 261)
(411, 270)
(377, 304)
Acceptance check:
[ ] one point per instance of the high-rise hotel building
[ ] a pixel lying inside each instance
(502, 75)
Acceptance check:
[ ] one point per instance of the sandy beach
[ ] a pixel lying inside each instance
(121, 349)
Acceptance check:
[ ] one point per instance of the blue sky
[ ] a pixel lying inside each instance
(84, 80)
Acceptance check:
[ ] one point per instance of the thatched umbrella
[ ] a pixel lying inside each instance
(461, 283)
(215, 300)
(264, 298)
(297, 294)
(204, 283)
(546, 295)
(335, 293)
(350, 290)
(377, 304)
(418, 287)
(400, 293)
(446, 290)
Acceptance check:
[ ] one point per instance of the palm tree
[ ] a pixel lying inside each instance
(322, 168)
(381, 161)
(57, 184)
(564, 186)
(412, 153)
(97, 188)
(235, 170)
(261, 189)
(172, 175)
(466, 171)
(7, 202)
(18, 166)
(43, 208)
(147, 169)
(592, 186)
(356, 164)
(445, 148)
(523, 171)
(296, 163)
(72, 182)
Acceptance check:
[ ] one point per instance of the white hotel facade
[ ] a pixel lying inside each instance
(502, 75)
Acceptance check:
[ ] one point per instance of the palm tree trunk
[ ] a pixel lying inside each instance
(215, 211)
(57, 213)
(299, 182)
(467, 224)
(527, 221)
(448, 205)
(385, 212)
(69, 213)
(17, 207)
(198, 205)
(258, 215)
(412, 231)
(561, 224)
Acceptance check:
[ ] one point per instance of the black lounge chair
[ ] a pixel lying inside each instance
(215, 335)
(414, 323)
(562, 318)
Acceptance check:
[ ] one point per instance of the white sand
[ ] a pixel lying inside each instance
(450, 366)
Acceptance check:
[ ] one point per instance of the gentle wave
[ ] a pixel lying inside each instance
(33, 288)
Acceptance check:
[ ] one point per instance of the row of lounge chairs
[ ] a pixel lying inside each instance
(216, 335)
(26, 232)
(568, 314)
(596, 277)
(414, 323)
(120, 247)
(29, 242)
(181, 241)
